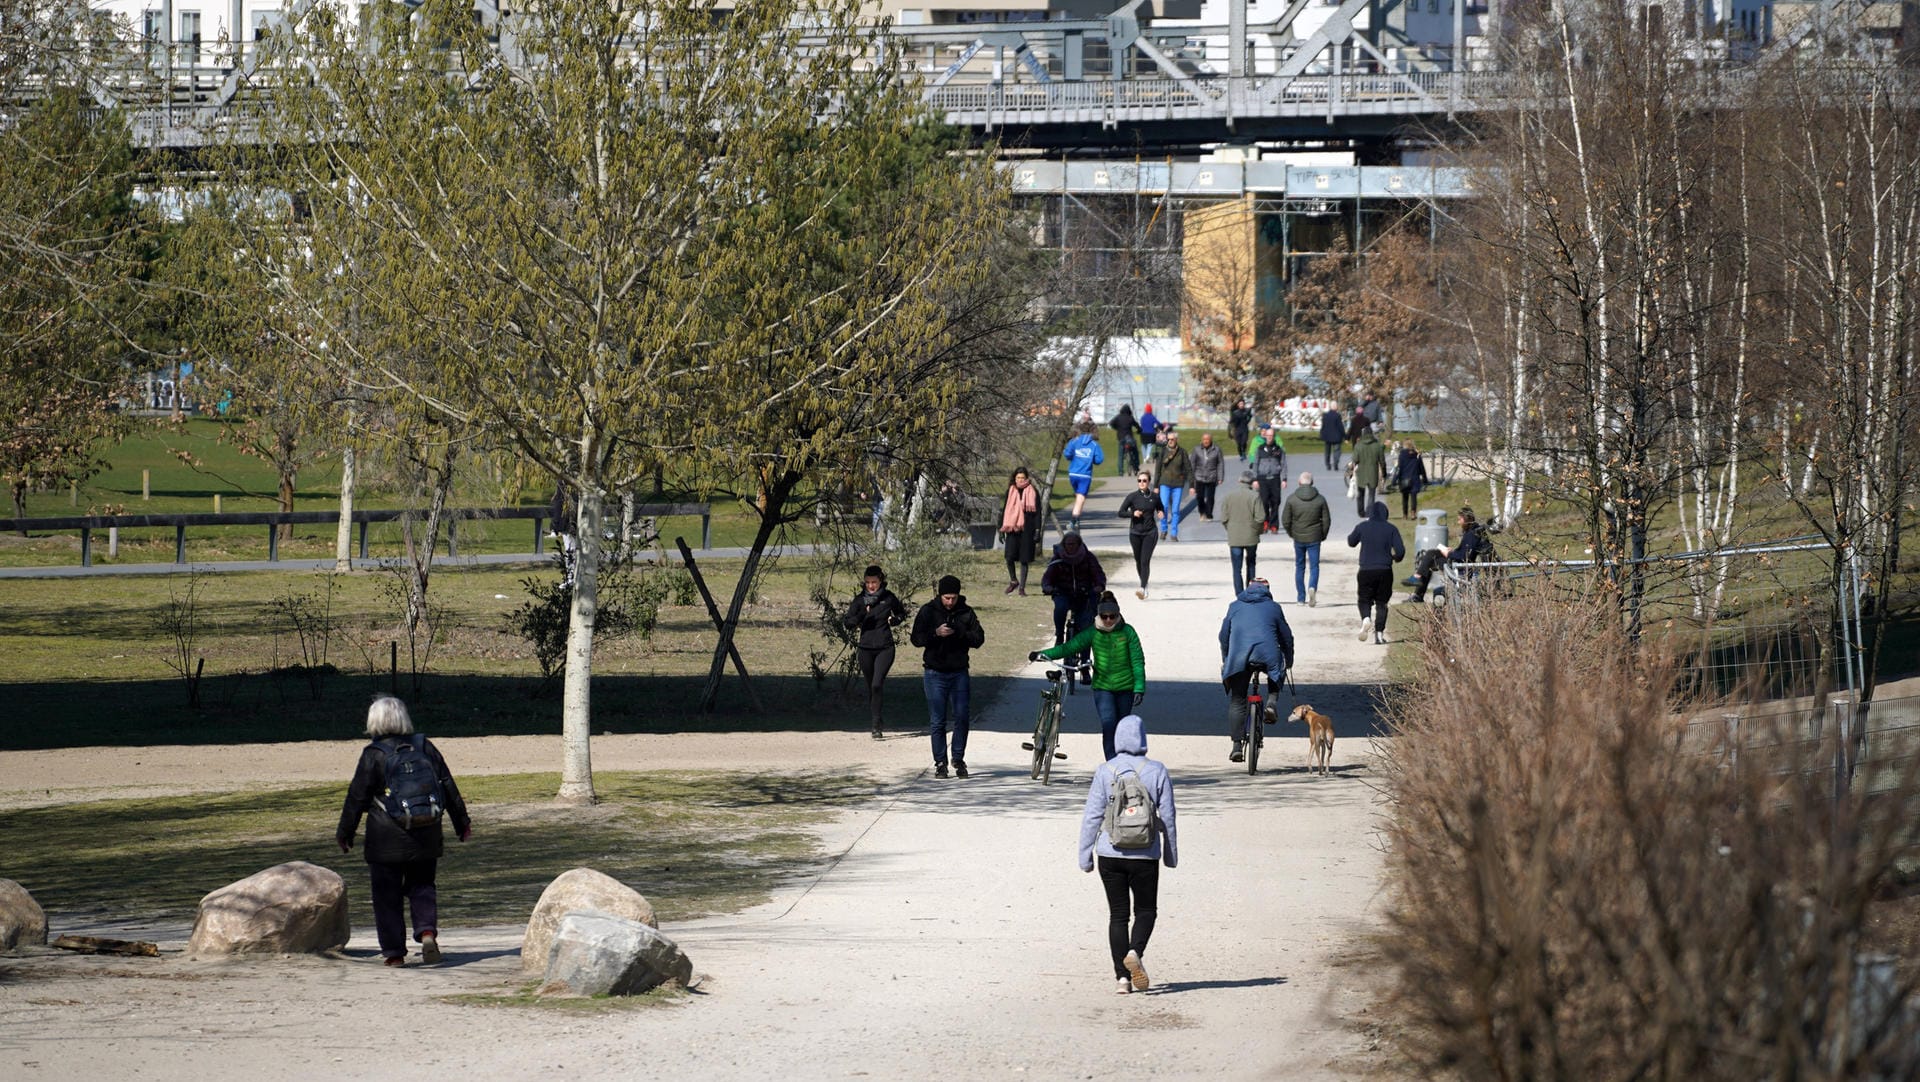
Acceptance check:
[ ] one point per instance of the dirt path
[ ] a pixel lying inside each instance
(950, 937)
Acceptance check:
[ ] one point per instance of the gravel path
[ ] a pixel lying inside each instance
(951, 935)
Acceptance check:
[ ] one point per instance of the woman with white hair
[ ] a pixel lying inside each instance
(403, 787)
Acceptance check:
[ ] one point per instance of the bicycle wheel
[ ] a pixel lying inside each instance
(1040, 755)
(1046, 748)
(1256, 706)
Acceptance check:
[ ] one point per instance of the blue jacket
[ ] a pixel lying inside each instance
(1149, 424)
(1379, 541)
(1130, 753)
(1253, 630)
(1083, 453)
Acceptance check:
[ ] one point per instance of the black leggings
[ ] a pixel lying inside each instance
(1143, 546)
(874, 664)
(1122, 876)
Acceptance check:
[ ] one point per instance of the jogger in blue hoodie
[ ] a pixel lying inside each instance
(1082, 453)
(1129, 873)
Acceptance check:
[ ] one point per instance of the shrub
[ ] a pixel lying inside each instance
(629, 604)
(1585, 885)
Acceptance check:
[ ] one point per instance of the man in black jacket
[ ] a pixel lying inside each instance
(401, 858)
(1380, 548)
(1333, 433)
(946, 628)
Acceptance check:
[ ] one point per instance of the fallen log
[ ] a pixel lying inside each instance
(87, 944)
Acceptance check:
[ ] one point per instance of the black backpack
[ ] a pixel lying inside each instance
(413, 796)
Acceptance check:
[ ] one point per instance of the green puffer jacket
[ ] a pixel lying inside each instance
(1118, 663)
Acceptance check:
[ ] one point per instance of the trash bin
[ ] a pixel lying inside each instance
(1432, 531)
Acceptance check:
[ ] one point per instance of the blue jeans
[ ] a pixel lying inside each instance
(1302, 556)
(948, 695)
(1170, 496)
(1242, 555)
(1111, 706)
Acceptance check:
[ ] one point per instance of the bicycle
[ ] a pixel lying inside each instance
(1073, 628)
(1259, 715)
(1046, 729)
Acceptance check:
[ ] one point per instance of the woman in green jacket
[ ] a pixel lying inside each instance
(1119, 666)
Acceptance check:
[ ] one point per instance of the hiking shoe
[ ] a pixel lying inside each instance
(1135, 970)
(430, 948)
(939, 770)
(1239, 753)
(959, 768)
(1366, 627)
(1124, 987)
(396, 960)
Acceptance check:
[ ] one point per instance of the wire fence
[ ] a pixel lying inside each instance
(1757, 622)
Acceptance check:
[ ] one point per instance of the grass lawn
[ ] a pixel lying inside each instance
(694, 843)
(84, 661)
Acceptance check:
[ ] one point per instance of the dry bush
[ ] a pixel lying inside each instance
(1585, 885)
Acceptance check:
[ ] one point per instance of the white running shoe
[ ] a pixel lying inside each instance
(1141, 593)
(1124, 987)
(1136, 970)
(1366, 627)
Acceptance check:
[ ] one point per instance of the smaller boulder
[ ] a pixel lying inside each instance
(578, 890)
(599, 955)
(21, 918)
(295, 908)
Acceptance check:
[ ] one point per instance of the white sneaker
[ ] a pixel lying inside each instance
(1136, 970)
(1141, 593)
(1313, 596)
(1366, 627)
(1379, 640)
(1125, 986)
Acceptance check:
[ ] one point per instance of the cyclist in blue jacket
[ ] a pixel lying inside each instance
(1254, 631)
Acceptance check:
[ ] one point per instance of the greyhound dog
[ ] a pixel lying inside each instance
(1320, 736)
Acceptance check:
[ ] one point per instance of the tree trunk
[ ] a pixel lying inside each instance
(343, 535)
(20, 505)
(576, 707)
(1081, 381)
(774, 500)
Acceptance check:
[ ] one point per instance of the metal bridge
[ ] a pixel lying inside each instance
(1364, 71)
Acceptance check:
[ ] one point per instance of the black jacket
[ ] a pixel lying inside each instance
(1379, 541)
(947, 653)
(1333, 429)
(875, 618)
(387, 841)
(1149, 502)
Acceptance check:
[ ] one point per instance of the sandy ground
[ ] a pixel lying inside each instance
(948, 935)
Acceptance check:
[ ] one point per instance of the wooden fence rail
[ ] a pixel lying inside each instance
(273, 520)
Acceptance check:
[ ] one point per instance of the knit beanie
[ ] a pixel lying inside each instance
(949, 584)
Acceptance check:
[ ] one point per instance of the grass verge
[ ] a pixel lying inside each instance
(694, 843)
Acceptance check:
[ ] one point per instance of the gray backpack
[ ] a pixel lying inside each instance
(1132, 819)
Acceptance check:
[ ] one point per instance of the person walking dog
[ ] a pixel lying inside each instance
(1127, 830)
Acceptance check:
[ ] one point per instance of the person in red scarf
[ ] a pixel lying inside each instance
(1020, 528)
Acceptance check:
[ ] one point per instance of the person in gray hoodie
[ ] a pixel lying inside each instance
(1129, 874)
(1308, 520)
(1380, 548)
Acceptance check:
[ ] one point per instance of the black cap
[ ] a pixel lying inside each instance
(949, 584)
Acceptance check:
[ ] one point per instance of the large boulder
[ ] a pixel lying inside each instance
(21, 918)
(599, 955)
(575, 891)
(295, 908)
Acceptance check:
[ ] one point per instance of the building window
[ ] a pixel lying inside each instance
(190, 36)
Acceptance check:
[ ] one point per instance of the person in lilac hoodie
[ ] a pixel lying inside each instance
(1129, 873)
